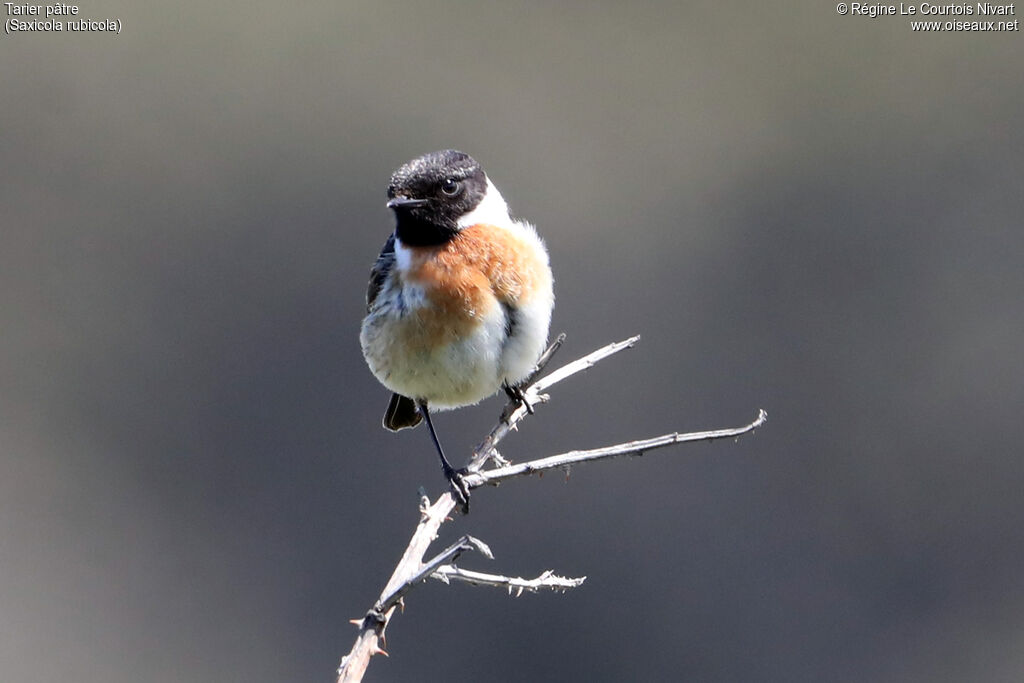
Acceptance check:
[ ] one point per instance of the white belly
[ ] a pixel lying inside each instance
(447, 375)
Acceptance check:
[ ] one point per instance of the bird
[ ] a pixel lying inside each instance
(459, 300)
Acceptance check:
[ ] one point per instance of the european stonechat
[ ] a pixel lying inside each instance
(460, 298)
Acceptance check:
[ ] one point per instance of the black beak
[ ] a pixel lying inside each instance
(405, 203)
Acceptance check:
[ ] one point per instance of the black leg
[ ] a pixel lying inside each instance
(516, 393)
(453, 475)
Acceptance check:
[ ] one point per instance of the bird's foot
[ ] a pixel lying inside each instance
(516, 393)
(457, 481)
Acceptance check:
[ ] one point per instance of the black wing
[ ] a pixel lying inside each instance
(385, 262)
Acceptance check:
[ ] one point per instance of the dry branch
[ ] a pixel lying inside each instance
(517, 585)
(412, 570)
(634, 448)
(449, 554)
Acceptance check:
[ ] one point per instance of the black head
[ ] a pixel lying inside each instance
(429, 195)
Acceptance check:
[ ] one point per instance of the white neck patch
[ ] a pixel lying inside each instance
(492, 210)
(403, 256)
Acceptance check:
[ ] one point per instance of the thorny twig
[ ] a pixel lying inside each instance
(514, 584)
(411, 570)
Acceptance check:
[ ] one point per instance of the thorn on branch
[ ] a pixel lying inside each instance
(479, 546)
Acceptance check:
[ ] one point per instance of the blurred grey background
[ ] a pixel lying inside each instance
(814, 214)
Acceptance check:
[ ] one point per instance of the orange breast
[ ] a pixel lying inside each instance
(468, 277)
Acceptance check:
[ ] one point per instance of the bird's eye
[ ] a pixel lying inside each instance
(451, 187)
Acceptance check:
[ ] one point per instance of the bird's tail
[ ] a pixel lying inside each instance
(401, 413)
